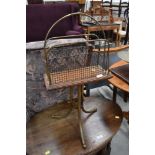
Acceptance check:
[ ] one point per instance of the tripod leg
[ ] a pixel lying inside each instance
(82, 106)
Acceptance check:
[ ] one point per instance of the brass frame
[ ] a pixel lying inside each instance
(80, 87)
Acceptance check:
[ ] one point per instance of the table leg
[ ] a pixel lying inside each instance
(114, 94)
(106, 150)
(79, 117)
(125, 114)
(117, 38)
(126, 95)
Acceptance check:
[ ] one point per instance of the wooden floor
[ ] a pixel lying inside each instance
(48, 136)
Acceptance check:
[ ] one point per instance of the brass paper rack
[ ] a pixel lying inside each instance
(70, 61)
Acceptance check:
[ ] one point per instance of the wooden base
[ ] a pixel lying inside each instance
(62, 136)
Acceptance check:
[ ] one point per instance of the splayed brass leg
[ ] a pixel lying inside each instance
(71, 105)
(82, 106)
(88, 111)
(79, 117)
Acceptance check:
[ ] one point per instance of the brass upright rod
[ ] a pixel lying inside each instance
(71, 95)
(79, 117)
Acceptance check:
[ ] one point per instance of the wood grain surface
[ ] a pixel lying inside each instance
(116, 81)
(49, 136)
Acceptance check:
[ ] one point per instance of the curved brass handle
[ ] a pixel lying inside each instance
(68, 15)
(62, 18)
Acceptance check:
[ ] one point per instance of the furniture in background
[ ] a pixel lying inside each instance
(122, 7)
(120, 33)
(103, 11)
(124, 27)
(91, 27)
(118, 8)
(78, 1)
(120, 82)
(39, 18)
(35, 1)
(126, 17)
(101, 14)
(46, 135)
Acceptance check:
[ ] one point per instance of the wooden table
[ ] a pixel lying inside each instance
(119, 83)
(105, 26)
(48, 136)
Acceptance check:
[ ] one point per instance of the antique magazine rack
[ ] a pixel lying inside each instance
(70, 61)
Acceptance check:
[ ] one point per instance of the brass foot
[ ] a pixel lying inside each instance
(81, 133)
(84, 146)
